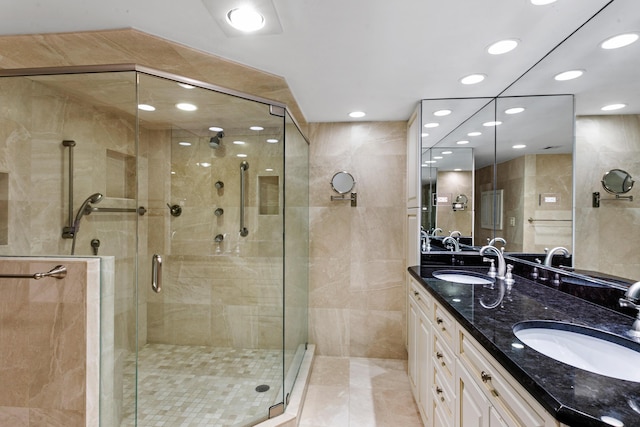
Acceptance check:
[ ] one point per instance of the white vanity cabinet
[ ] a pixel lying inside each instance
(455, 382)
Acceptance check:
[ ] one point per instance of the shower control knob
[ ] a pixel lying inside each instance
(176, 210)
(218, 212)
(219, 185)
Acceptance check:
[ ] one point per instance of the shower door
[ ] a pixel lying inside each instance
(210, 339)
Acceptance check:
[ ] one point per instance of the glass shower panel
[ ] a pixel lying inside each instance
(296, 264)
(211, 341)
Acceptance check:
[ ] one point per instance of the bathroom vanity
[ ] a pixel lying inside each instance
(468, 368)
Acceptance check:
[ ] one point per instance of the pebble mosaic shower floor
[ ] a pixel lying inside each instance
(188, 386)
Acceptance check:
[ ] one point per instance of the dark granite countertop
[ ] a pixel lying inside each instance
(573, 396)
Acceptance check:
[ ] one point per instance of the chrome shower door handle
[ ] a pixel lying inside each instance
(243, 167)
(156, 273)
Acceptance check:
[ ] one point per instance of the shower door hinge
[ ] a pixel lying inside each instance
(276, 110)
(275, 410)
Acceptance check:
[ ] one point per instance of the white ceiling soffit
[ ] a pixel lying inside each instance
(338, 56)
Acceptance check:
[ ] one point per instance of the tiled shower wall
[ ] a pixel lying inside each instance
(49, 344)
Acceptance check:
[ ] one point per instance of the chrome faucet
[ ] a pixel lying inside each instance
(455, 245)
(632, 300)
(493, 241)
(455, 233)
(549, 258)
(434, 233)
(502, 267)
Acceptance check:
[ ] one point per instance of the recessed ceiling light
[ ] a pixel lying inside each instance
(441, 113)
(241, 155)
(447, 152)
(428, 162)
(542, 2)
(519, 146)
(146, 107)
(424, 134)
(472, 79)
(474, 134)
(438, 157)
(462, 142)
(184, 143)
(186, 86)
(568, 75)
(514, 110)
(256, 128)
(215, 129)
(185, 106)
(431, 125)
(357, 114)
(245, 19)
(272, 141)
(619, 41)
(489, 124)
(613, 107)
(502, 46)
(239, 142)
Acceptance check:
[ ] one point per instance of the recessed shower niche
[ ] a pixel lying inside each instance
(137, 149)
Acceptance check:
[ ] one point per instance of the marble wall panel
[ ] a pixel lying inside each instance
(357, 253)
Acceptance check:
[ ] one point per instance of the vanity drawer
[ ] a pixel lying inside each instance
(423, 299)
(497, 386)
(443, 324)
(443, 397)
(443, 359)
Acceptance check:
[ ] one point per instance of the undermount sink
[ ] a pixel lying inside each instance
(463, 276)
(582, 347)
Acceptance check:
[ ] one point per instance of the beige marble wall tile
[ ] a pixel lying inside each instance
(357, 254)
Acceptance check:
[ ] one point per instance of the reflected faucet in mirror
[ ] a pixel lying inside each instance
(425, 243)
(451, 243)
(502, 267)
(493, 241)
(434, 233)
(455, 233)
(549, 258)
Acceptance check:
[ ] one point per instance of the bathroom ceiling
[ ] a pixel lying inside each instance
(377, 56)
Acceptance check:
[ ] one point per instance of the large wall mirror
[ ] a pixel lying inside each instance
(570, 143)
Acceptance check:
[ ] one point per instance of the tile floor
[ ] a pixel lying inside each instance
(359, 392)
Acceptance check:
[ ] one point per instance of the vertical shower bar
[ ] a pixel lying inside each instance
(69, 231)
(243, 167)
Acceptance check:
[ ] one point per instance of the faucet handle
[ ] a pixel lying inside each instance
(492, 270)
(508, 278)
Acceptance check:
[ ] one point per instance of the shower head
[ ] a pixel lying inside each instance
(215, 141)
(94, 198)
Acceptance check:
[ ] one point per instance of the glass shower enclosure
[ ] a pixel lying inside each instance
(195, 198)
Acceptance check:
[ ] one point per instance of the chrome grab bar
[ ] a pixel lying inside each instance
(140, 210)
(156, 273)
(57, 272)
(243, 167)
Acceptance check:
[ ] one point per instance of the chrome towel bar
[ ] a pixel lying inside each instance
(58, 272)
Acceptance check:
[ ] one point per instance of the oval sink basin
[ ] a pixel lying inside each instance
(583, 348)
(462, 276)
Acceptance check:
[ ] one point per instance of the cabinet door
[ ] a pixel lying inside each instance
(424, 362)
(412, 344)
(495, 420)
(473, 407)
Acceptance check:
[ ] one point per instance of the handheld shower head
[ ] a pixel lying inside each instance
(94, 198)
(215, 141)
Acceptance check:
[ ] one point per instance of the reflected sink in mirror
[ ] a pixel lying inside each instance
(584, 348)
(463, 277)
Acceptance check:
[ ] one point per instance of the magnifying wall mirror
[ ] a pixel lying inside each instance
(617, 181)
(342, 182)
